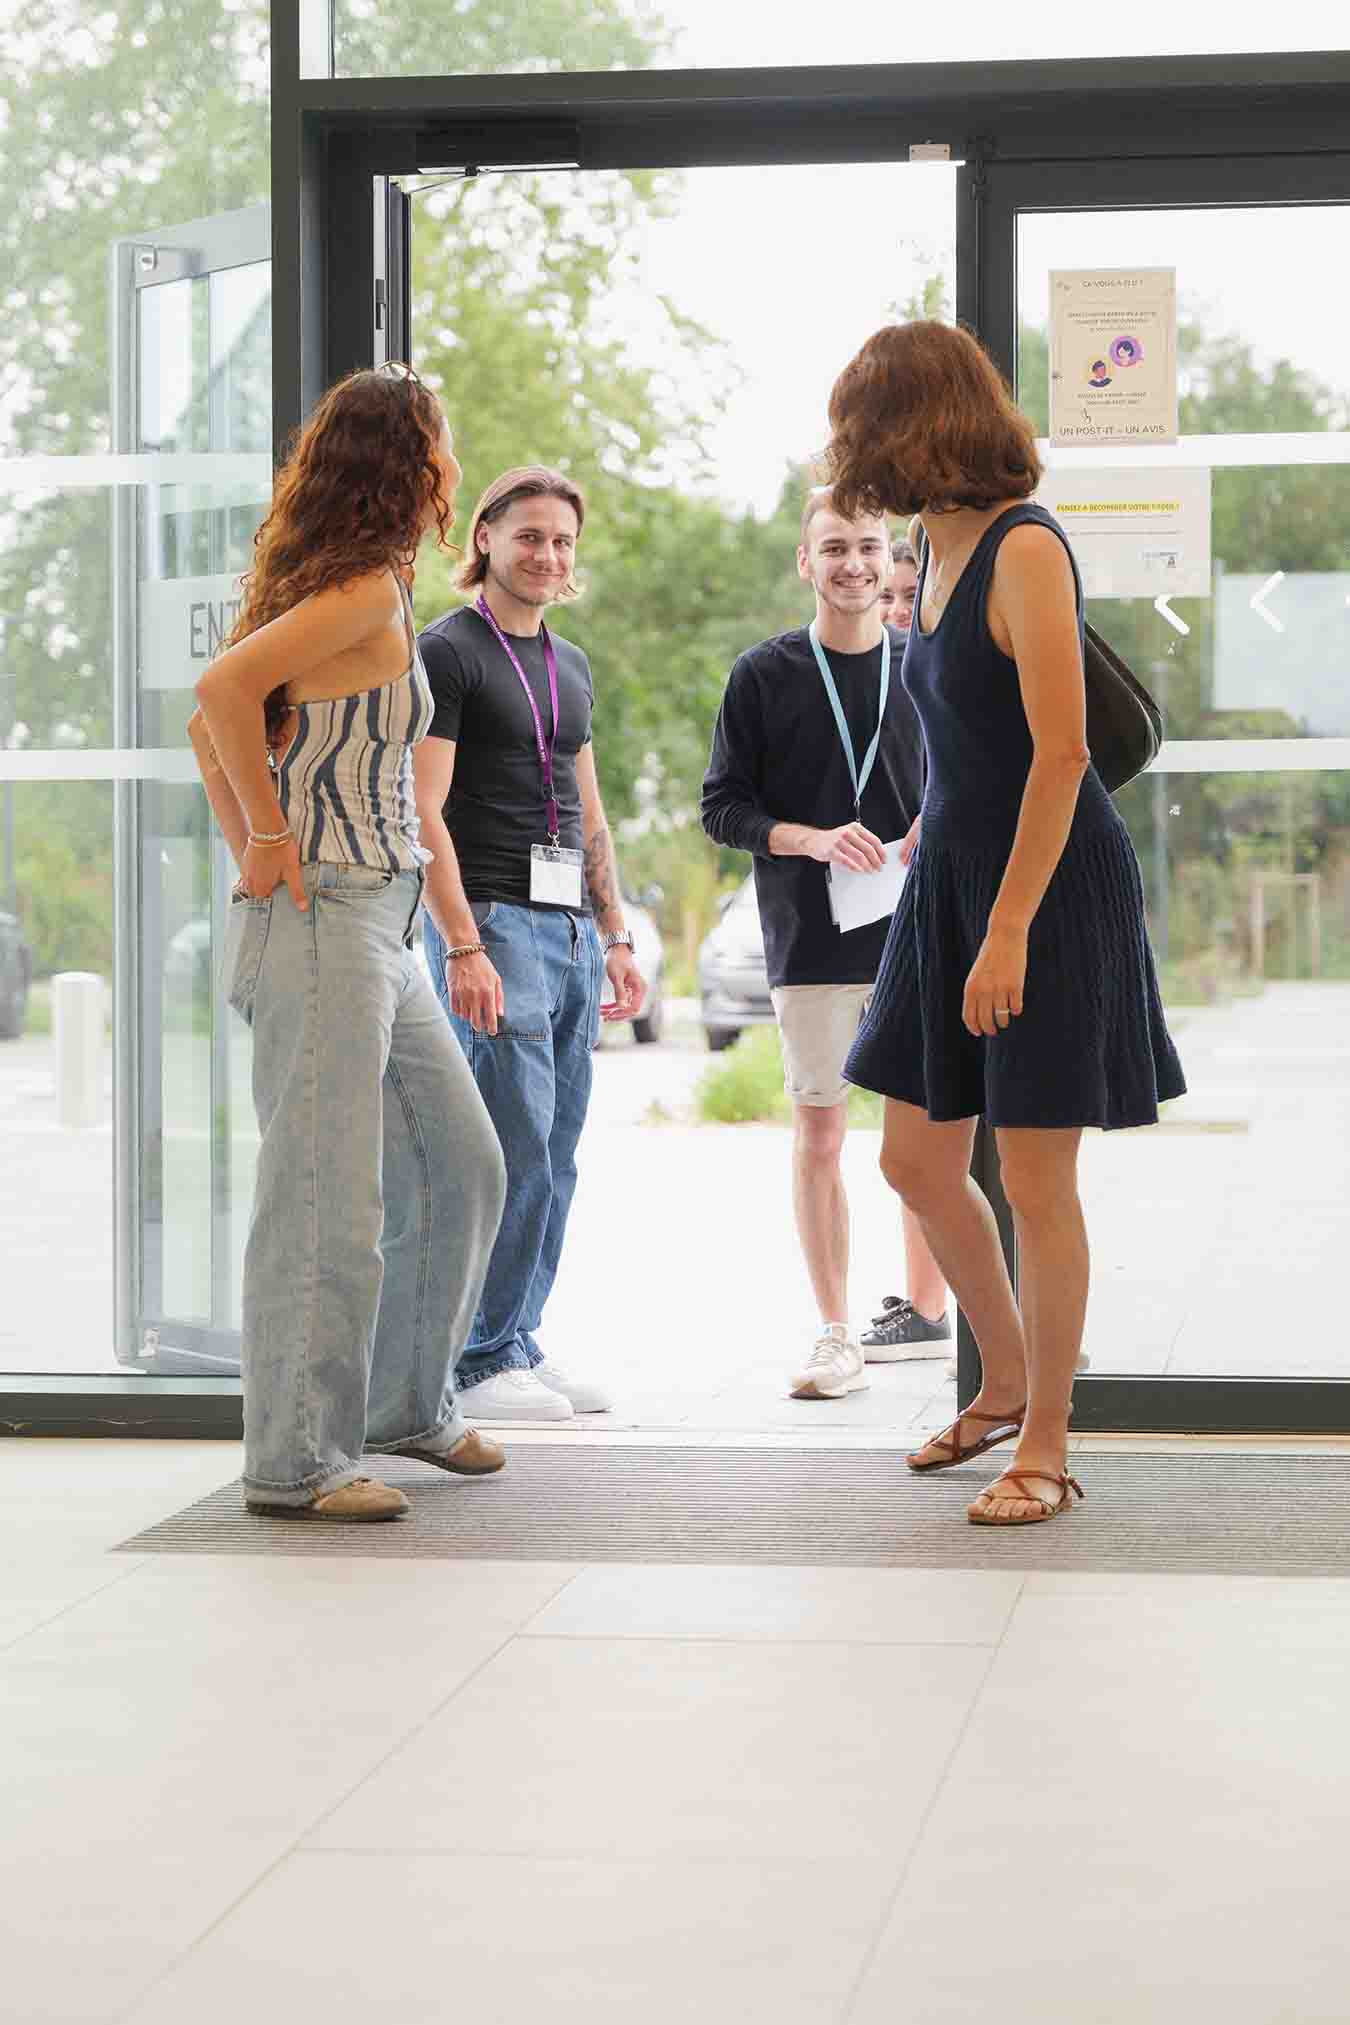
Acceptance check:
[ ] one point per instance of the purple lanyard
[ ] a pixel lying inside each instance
(545, 751)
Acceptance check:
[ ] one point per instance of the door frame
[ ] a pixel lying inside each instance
(139, 262)
(1157, 180)
(1061, 136)
(335, 141)
(340, 144)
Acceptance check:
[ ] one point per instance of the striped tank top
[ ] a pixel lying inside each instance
(345, 781)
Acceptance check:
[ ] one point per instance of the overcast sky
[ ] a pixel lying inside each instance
(713, 33)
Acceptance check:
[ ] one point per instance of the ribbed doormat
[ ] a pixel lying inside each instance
(1176, 1513)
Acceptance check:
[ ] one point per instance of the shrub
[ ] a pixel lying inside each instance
(745, 1087)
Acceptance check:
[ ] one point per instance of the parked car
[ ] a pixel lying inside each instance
(651, 961)
(16, 975)
(732, 980)
(187, 960)
(187, 963)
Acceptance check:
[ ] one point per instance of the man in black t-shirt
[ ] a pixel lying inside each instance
(524, 916)
(782, 784)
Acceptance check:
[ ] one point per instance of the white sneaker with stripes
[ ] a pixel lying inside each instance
(835, 1366)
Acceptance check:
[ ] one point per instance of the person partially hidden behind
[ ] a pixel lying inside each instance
(1017, 982)
(906, 1323)
(816, 762)
(898, 592)
(524, 917)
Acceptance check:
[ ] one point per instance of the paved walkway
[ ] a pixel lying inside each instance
(1218, 1240)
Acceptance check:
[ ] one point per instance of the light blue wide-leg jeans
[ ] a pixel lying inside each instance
(379, 1189)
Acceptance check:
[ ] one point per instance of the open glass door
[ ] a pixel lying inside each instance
(1219, 1239)
(193, 357)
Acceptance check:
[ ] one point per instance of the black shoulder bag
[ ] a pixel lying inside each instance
(1124, 724)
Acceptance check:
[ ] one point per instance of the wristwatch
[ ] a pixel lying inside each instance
(618, 938)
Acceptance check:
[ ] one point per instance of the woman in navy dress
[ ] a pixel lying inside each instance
(1017, 983)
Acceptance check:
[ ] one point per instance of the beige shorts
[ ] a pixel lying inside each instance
(818, 1023)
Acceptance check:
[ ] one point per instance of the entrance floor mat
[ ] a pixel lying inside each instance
(1201, 1514)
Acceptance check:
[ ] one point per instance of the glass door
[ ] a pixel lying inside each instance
(194, 372)
(1219, 1238)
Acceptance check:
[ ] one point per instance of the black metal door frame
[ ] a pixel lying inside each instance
(1160, 135)
(1282, 176)
(338, 245)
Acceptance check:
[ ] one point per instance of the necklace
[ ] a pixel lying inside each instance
(940, 585)
(938, 592)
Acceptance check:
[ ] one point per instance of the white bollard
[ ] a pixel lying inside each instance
(77, 1030)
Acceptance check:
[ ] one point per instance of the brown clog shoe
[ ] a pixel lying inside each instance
(362, 1499)
(475, 1454)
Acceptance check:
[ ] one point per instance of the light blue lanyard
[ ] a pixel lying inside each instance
(859, 780)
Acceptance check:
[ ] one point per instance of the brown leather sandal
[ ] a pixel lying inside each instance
(1068, 1486)
(950, 1439)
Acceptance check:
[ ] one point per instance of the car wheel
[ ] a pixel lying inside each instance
(651, 1025)
(721, 1037)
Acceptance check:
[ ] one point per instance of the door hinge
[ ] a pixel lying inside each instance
(151, 266)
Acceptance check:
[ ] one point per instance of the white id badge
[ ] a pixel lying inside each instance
(555, 876)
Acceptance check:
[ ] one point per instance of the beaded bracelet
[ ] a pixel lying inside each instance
(467, 949)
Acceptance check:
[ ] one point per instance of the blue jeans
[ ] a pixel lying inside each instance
(379, 1189)
(534, 1075)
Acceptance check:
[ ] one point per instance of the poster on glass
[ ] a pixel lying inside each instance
(1113, 356)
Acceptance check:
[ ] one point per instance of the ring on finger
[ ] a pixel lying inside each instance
(1002, 1013)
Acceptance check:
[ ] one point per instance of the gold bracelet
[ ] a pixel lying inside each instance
(266, 840)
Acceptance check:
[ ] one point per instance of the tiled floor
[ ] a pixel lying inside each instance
(291, 1791)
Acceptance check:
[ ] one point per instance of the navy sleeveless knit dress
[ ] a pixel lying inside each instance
(1090, 1046)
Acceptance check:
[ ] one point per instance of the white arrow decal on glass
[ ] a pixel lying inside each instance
(1164, 610)
(1258, 601)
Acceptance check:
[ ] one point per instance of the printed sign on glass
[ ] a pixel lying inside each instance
(1113, 356)
(1135, 533)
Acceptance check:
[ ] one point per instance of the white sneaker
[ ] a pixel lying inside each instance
(834, 1367)
(513, 1399)
(1084, 1364)
(581, 1396)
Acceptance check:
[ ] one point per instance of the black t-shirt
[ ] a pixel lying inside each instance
(495, 808)
(777, 758)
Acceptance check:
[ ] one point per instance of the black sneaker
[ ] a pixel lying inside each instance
(900, 1334)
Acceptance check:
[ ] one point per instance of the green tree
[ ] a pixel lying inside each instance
(516, 283)
(106, 131)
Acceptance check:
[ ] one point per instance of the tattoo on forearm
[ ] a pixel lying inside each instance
(602, 877)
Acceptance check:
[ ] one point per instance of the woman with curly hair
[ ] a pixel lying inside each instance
(1017, 982)
(380, 1182)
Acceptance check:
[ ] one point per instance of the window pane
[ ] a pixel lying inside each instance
(137, 325)
(480, 37)
(56, 1151)
(1215, 1237)
(1219, 1238)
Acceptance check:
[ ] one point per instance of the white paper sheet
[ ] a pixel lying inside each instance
(859, 898)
